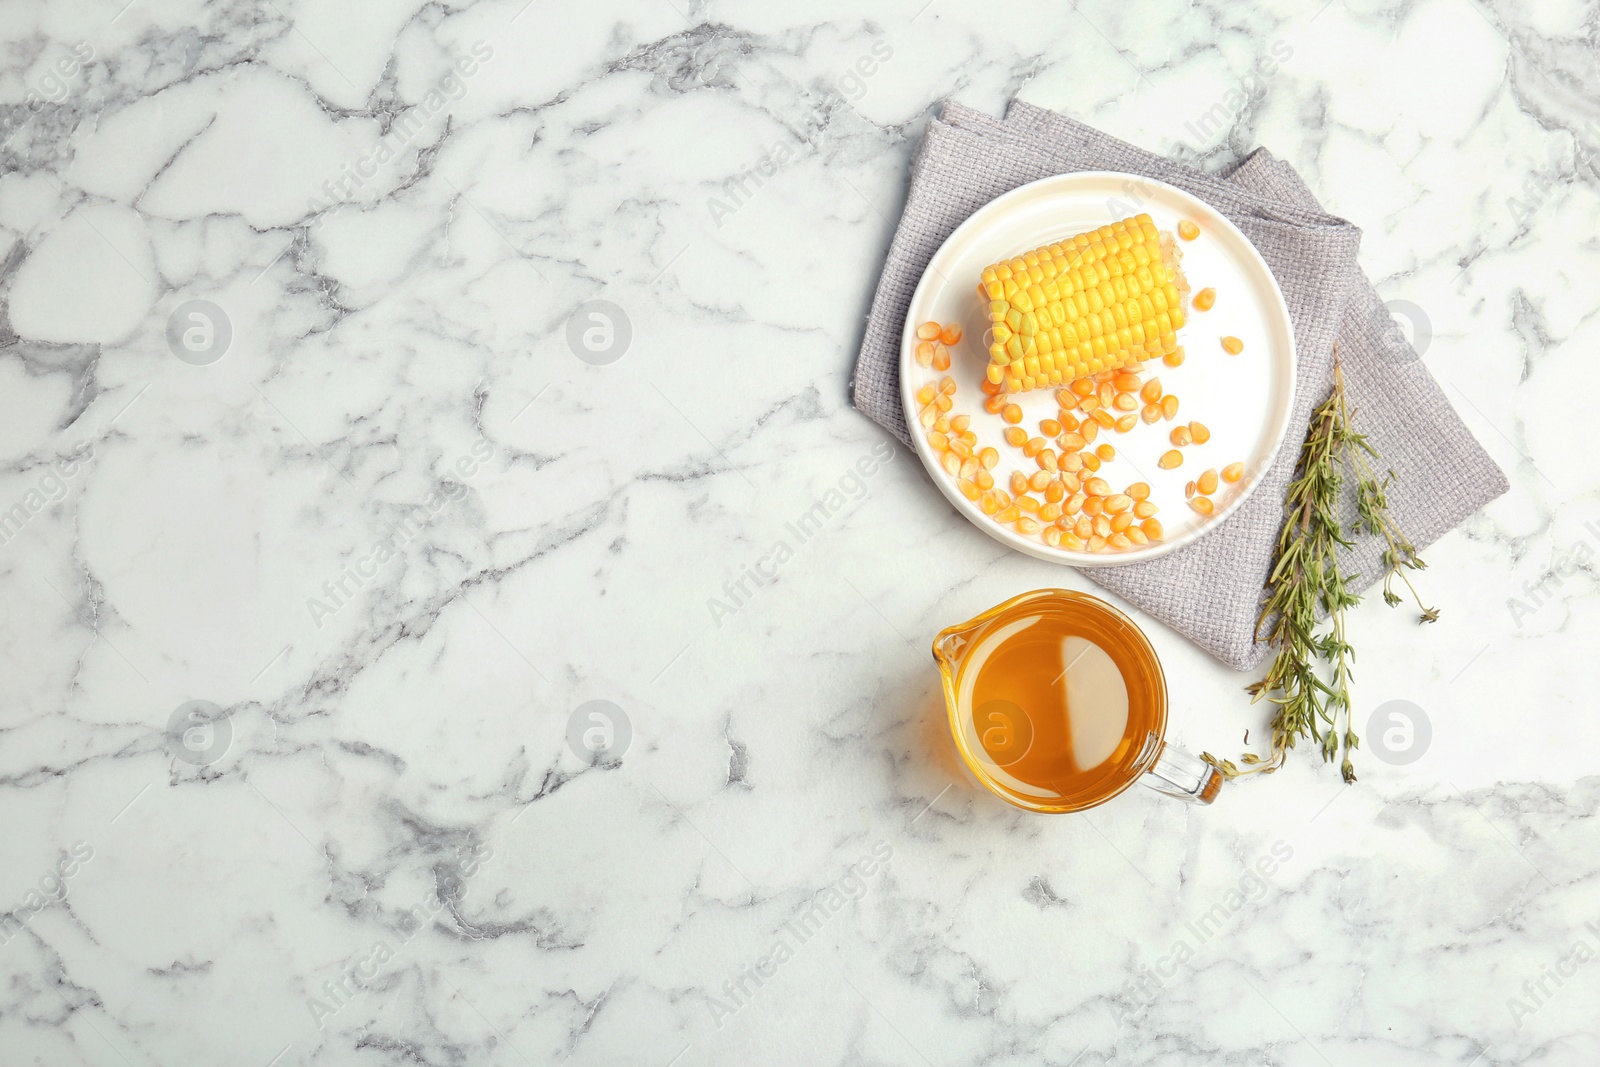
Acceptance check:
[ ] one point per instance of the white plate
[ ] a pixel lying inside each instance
(1244, 400)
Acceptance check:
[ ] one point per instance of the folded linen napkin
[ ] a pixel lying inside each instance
(1211, 590)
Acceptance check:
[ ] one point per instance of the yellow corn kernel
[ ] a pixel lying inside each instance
(1106, 453)
(1009, 513)
(1188, 230)
(941, 359)
(959, 423)
(994, 404)
(1070, 462)
(1118, 502)
(951, 334)
(1151, 391)
(1136, 535)
(926, 394)
(1089, 430)
(1033, 447)
(969, 489)
(1098, 487)
(1151, 412)
(1126, 423)
(1139, 491)
(928, 331)
(1052, 536)
(1039, 480)
(1019, 482)
(1027, 525)
(1093, 505)
(984, 479)
(1205, 299)
(1174, 358)
(1232, 345)
(1202, 504)
(1091, 462)
(1181, 437)
(1028, 505)
(989, 503)
(925, 353)
(1119, 541)
(1126, 402)
(1233, 472)
(1073, 543)
(1050, 427)
(989, 458)
(1049, 512)
(1011, 413)
(1055, 492)
(1169, 406)
(1144, 509)
(1096, 543)
(951, 464)
(1016, 436)
(1170, 460)
(1152, 529)
(1198, 431)
(1207, 482)
(1102, 525)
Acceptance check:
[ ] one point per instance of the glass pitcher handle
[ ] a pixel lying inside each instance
(1178, 774)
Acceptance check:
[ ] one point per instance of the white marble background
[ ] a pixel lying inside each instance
(407, 754)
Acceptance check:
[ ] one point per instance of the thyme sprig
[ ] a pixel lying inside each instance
(1311, 672)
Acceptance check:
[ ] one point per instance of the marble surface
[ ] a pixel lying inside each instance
(368, 505)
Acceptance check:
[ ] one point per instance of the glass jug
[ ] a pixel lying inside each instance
(1058, 703)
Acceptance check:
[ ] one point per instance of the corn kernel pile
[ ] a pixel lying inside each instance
(1063, 502)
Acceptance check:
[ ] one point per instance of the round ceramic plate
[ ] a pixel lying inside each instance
(1244, 400)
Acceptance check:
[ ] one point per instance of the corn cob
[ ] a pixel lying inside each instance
(1100, 300)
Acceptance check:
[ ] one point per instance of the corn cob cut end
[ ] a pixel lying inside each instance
(1099, 300)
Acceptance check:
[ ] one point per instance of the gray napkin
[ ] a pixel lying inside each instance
(1211, 590)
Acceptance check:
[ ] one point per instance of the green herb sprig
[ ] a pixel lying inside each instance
(1310, 674)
